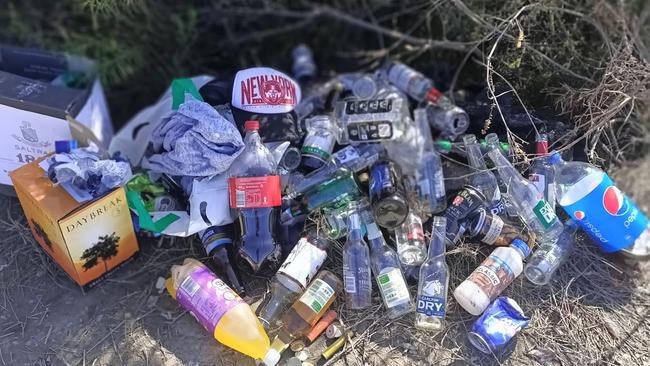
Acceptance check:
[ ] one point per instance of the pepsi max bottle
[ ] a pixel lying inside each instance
(592, 200)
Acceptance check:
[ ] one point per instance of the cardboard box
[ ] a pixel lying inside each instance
(38, 89)
(87, 240)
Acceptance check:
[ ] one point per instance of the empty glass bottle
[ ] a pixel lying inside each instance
(541, 172)
(387, 195)
(433, 281)
(319, 141)
(292, 278)
(356, 266)
(388, 274)
(549, 256)
(531, 206)
(481, 178)
(409, 239)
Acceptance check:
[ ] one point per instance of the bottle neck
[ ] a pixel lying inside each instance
(251, 136)
(437, 246)
(474, 154)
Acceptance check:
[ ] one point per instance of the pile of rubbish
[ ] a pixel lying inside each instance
(272, 172)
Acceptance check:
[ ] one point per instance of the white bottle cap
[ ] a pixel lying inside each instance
(272, 357)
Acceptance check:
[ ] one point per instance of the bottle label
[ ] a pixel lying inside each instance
(608, 216)
(346, 155)
(415, 232)
(356, 282)
(303, 262)
(206, 297)
(255, 192)
(380, 178)
(318, 294)
(393, 287)
(545, 213)
(431, 306)
(368, 106)
(319, 145)
(539, 181)
(370, 131)
(493, 232)
(492, 276)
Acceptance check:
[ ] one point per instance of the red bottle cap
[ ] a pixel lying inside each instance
(252, 125)
(433, 95)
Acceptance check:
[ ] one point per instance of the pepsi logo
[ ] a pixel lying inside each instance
(579, 215)
(614, 202)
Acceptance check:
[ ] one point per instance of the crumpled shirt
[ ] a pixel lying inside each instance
(195, 141)
(84, 170)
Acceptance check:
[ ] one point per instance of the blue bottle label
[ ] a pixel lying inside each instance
(608, 216)
(431, 306)
(379, 178)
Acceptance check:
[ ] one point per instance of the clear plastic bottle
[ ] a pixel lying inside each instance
(409, 240)
(541, 172)
(219, 309)
(304, 314)
(482, 178)
(388, 274)
(541, 266)
(490, 278)
(303, 262)
(603, 211)
(319, 141)
(304, 67)
(356, 266)
(412, 82)
(255, 192)
(531, 206)
(433, 281)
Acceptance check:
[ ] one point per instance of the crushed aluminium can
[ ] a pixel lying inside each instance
(500, 322)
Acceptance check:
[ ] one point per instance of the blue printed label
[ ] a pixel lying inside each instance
(431, 306)
(608, 216)
(380, 178)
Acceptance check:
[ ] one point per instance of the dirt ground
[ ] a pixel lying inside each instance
(595, 312)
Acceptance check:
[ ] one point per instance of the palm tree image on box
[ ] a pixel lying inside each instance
(104, 249)
(40, 233)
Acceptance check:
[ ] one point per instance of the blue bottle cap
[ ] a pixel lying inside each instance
(554, 158)
(521, 245)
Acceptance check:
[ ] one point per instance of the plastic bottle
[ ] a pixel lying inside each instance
(388, 274)
(491, 277)
(592, 199)
(387, 194)
(304, 67)
(356, 267)
(303, 262)
(541, 266)
(319, 141)
(413, 83)
(216, 240)
(409, 240)
(482, 178)
(255, 191)
(304, 313)
(219, 309)
(354, 158)
(541, 173)
(531, 206)
(433, 281)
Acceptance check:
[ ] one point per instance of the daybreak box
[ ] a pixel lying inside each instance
(88, 240)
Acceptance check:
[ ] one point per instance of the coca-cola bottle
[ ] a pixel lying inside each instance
(254, 190)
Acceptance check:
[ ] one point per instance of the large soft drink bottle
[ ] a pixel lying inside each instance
(255, 191)
(590, 197)
(218, 308)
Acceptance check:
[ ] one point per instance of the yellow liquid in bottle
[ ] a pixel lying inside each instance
(238, 328)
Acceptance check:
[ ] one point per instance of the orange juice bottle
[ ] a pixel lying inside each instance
(218, 308)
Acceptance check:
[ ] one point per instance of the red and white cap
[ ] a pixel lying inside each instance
(264, 90)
